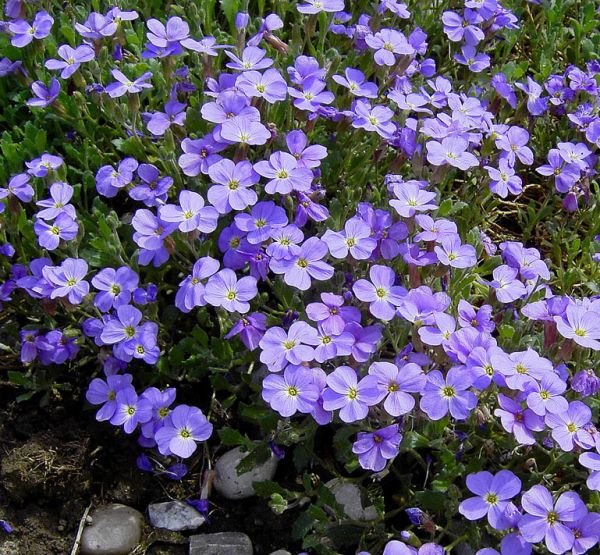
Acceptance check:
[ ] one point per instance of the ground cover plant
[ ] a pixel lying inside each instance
(362, 236)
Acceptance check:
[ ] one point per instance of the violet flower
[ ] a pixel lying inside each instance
(190, 214)
(291, 392)
(124, 85)
(351, 396)
(225, 290)
(250, 328)
(376, 448)
(44, 95)
(396, 384)
(450, 394)
(72, 58)
(68, 279)
(23, 33)
(280, 348)
(114, 286)
(183, 427)
(380, 292)
(284, 173)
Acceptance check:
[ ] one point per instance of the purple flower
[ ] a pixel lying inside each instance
(452, 150)
(284, 173)
(354, 239)
(104, 392)
(396, 384)
(331, 315)
(183, 427)
(58, 204)
(522, 367)
(225, 290)
(159, 122)
(518, 421)
(109, 180)
(307, 156)
(354, 80)
(252, 58)
(114, 286)
(581, 325)
(586, 532)
(585, 382)
(376, 118)
(42, 166)
(294, 391)
(312, 95)
(168, 36)
(18, 186)
(504, 179)
(452, 253)
(50, 235)
(513, 143)
(269, 85)
(150, 232)
(124, 85)
(251, 329)
(6, 527)
(411, 198)
(569, 428)
(387, 43)
(191, 214)
(504, 89)
(493, 493)
(376, 448)
(380, 292)
(548, 521)
(565, 175)
(23, 33)
(199, 155)
(286, 241)
(124, 327)
(470, 58)
(307, 264)
(240, 129)
(191, 290)
(262, 220)
(67, 279)
(44, 95)
(131, 410)
(508, 287)
(458, 28)
(318, 6)
(228, 104)
(442, 395)
(72, 58)
(535, 104)
(353, 397)
(545, 395)
(592, 461)
(294, 347)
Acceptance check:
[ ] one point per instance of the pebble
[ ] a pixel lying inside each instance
(230, 485)
(348, 496)
(281, 552)
(175, 516)
(221, 543)
(115, 530)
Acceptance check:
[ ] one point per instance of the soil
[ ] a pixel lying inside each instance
(57, 460)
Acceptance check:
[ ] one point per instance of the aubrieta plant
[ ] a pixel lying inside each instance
(374, 218)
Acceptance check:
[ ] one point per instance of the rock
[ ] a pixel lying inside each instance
(174, 516)
(222, 543)
(230, 485)
(115, 530)
(281, 552)
(347, 495)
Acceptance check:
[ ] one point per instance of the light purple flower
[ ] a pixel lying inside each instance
(199, 155)
(23, 33)
(44, 95)
(280, 348)
(374, 449)
(353, 397)
(269, 85)
(380, 292)
(284, 173)
(387, 43)
(131, 410)
(49, 235)
(450, 394)
(411, 198)
(451, 252)
(331, 315)
(354, 239)
(225, 290)
(191, 290)
(68, 279)
(58, 204)
(72, 58)
(545, 395)
(504, 179)
(183, 427)
(452, 150)
(569, 427)
(518, 421)
(508, 287)
(159, 122)
(294, 391)
(318, 6)
(42, 166)
(580, 325)
(396, 383)
(253, 58)
(514, 144)
(307, 156)
(377, 118)
(109, 180)
(240, 129)
(124, 85)
(354, 80)
(191, 214)
(115, 287)
(469, 57)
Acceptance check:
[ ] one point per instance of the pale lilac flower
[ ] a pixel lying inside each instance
(159, 122)
(23, 33)
(183, 427)
(109, 180)
(395, 385)
(520, 368)
(263, 218)
(168, 35)
(64, 228)
(131, 410)
(243, 130)
(574, 154)
(450, 252)
(354, 80)
(354, 239)
(72, 58)
(518, 421)
(331, 315)
(68, 279)
(439, 334)
(452, 150)
(380, 292)
(508, 287)
(19, 187)
(124, 85)
(504, 179)
(470, 58)
(353, 397)
(513, 143)
(387, 43)
(225, 290)
(269, 85)
(581, 325)
(280, 348)
(42, 166)
(252, 58)
(569, 428)
(286, 242)
(191, 214)
(307, 156)
(191, 290)
(284, 173)
(199, 155)
(294, 391)
(376, 118)
(450, 394)
(546, 396)
(232, 185)
(592, 462)
(411, 198)
(312, 95)
(60, 194)
(318, 6)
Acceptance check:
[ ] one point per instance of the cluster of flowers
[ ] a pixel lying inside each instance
(389, 269)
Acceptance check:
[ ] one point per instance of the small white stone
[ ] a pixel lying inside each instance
(221, 543)
(230, 485)
(347, 495)
(115, 530)
(174, 516)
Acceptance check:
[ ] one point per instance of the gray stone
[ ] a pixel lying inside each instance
(347, 495)
(175, 516)
(222, 543)
(230, 485)
(281, 552)
(115, 530)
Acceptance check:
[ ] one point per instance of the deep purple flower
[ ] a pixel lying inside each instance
(6, 527)
(518, 421)
(376, 448)
(72, 58)
(493, 493)
(67, 279)
(23, 33)
(183, 427)
(450, 394)
(250, 328)
(585, 382)
(353, 397)
(549, 521)
(291, 392)
(225, 290)
(44, 95)
(565, 174)
(294, 346)
(380, 292)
